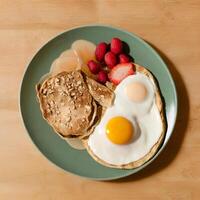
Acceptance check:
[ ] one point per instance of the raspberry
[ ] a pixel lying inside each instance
(102, 77)
(110, 59)
(123, 58)
(94, 66)
(116, 45)
(100, 51)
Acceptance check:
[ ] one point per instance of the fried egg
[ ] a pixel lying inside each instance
(131, 127)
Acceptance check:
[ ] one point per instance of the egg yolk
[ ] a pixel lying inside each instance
(119, 130)
(136, 92)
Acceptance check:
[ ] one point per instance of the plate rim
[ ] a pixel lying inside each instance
(129, 172)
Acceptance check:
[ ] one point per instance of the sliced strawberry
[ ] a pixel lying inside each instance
(120, 72)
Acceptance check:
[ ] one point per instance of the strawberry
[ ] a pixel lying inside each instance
(116, 45)
(123, 58)
(110, 59)
(94, 66)
(100, 51)
(120, 72)
(102, 77)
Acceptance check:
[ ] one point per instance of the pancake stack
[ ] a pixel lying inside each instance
(73, 103)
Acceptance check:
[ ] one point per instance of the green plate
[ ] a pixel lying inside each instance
(43, 136)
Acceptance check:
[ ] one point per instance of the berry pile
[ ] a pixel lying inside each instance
(112, 63)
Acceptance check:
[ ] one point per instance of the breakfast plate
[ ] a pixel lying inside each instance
(53, 147)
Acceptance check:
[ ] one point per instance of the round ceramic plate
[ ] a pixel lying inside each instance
(43, 136)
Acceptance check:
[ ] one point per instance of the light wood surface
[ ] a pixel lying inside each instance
(172, 27)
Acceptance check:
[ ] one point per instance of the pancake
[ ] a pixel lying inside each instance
(66, 103)
(102, 94)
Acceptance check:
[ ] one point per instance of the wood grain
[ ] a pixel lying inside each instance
(172, 27)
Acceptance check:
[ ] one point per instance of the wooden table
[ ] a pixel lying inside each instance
(172, 27)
